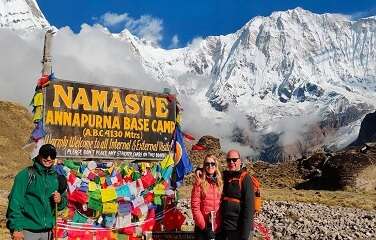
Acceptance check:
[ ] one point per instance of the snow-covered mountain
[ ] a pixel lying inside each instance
(302, 80)
(293, 69)
(21, 15)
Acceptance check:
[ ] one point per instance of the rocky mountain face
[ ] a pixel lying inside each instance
(367, 131)
(303, 80)
(21, 15)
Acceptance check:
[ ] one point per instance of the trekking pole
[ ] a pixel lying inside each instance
(211, 230)
(55, 232)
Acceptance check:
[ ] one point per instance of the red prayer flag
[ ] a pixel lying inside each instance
(43, 80)
(198, 147)
(188, 136)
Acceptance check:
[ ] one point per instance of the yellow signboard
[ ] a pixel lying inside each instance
(92, 121)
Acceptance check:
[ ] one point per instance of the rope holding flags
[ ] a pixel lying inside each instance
(137, 197)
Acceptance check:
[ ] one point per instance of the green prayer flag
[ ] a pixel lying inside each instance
(157, 200)
(95, 204)
(136, 176)
(79, 218)
(72, 164)
(97, 180)
(95, 194)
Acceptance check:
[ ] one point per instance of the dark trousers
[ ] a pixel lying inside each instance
(232, 235)
(203, 235)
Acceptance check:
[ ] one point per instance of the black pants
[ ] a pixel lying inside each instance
(231, 235)
(203, 235)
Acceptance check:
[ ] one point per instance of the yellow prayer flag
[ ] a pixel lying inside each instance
(38, 113)
(109, 208)
(38, 99)
(92, 186)
(130, 172)
(102, 179)
(159, 189)
(167, 161)
(108, 194)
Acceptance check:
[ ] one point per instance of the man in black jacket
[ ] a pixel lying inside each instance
(237, 200)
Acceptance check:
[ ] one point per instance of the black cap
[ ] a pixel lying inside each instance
(47, 150)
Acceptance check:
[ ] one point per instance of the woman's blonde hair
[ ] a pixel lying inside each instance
(203, 182)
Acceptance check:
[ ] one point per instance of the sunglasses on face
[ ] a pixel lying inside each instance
(46, 157)
(232, 160)
(207, 164)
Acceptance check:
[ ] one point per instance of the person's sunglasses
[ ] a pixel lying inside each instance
(232, 160)
(207, 164)
(51, 156)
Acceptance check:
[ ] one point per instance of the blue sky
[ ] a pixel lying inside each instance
(174, 23)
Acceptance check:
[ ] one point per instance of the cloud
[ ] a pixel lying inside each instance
(294, 128)
(174, 42)
(92, 55)
(113, 19)
(195, 43)
(146, 27)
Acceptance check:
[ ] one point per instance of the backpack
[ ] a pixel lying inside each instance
(256, 187)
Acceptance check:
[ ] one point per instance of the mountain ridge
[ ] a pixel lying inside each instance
(22, 15)
(302, 80)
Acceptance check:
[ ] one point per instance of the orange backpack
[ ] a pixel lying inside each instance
(256, 187)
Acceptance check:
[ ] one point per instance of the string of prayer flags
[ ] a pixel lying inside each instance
(37, 102)
(118, 195)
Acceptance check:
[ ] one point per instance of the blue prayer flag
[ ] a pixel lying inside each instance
(183, 165)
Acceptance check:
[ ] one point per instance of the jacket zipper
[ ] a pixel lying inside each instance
(45, 205)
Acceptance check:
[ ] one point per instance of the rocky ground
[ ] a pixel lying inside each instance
(287, 212)
(287, 220)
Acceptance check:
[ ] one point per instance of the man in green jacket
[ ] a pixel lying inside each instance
(31, 208)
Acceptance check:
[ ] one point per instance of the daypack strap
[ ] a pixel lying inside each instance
(241, 178)
(31, 175)
(230, 199)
